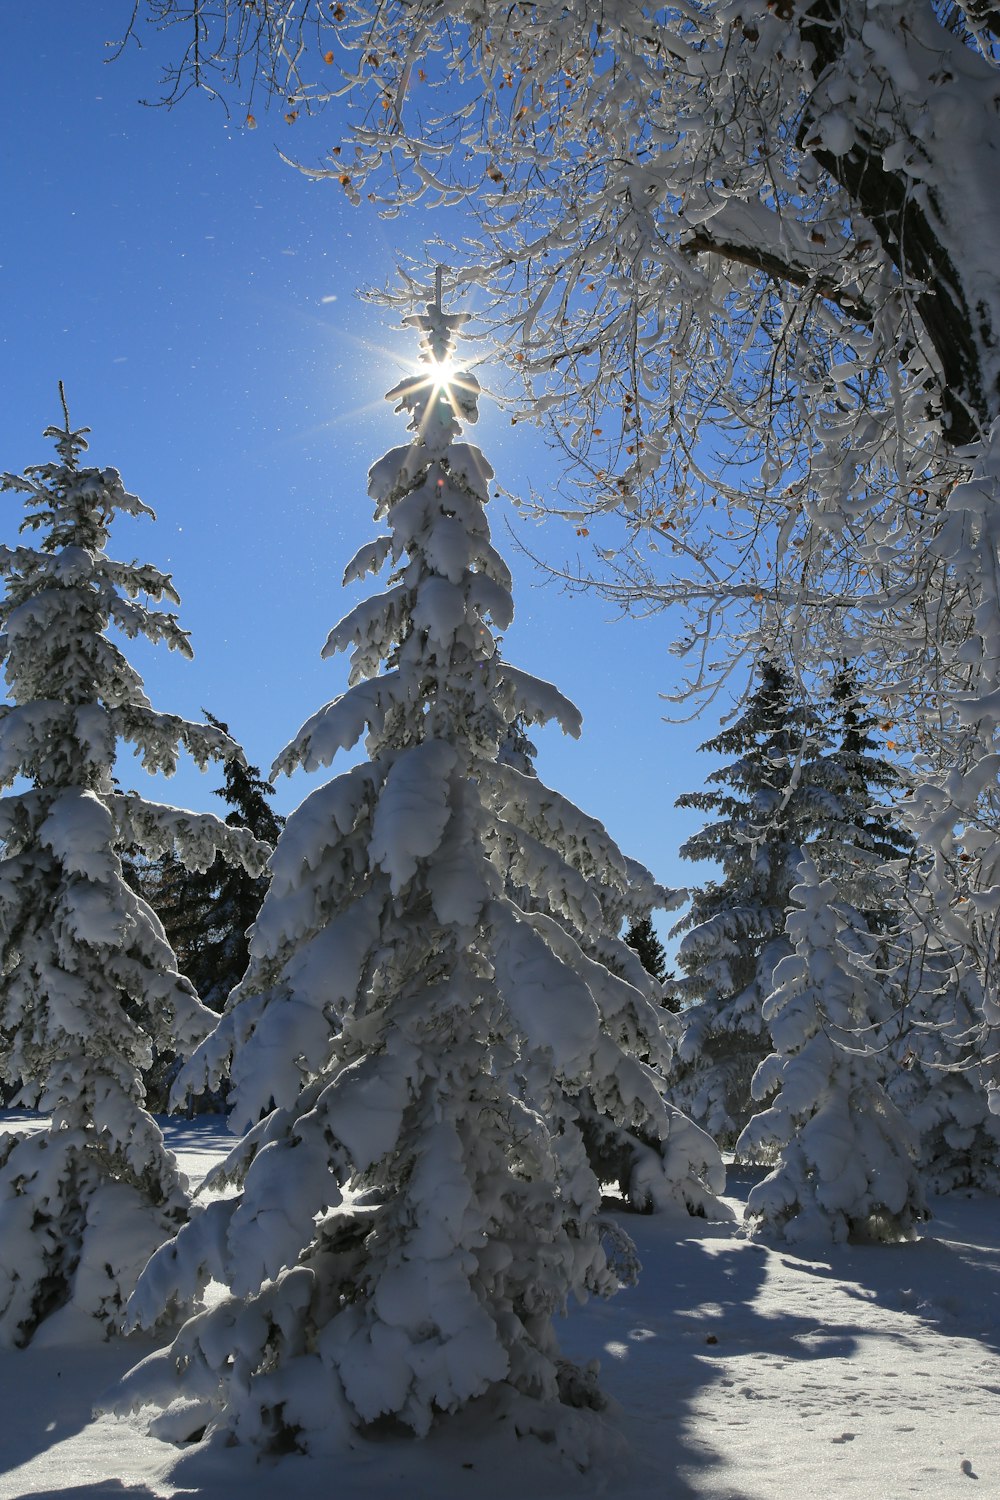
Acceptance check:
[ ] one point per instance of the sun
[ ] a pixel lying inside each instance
(443, 373)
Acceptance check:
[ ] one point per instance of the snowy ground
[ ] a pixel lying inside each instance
(739, 1372)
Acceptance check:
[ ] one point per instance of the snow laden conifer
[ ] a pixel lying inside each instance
(767, 804)
(844, 1152)
(616, 1153)
(862, 843)
(942, 1086)
(411, 1051)
(940, 1081)
(88, 984)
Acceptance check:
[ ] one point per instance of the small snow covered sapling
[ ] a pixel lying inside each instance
(414, 1050)
(844, 1166)
(88, 984)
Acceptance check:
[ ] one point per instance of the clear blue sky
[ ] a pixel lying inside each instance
(197, 297)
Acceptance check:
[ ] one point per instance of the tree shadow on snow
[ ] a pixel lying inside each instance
(202, 1133)
(685, 1329)
(52, 1390)
(949, 1278)
(662, 1345)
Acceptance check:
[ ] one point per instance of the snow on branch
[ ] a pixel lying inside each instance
(339, 724)
(195, 838)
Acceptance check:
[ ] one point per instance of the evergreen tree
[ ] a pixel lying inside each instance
(617, 1156)
(862, 845)
(207, 913)
(88, 984)
(622, 903)
(844, 1150)
(517, 749)
(939, 1080)
(640, 935)
(768, 803)
(411, 1049)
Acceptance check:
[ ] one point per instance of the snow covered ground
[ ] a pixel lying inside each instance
(739, 1372)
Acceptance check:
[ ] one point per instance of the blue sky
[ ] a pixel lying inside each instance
(197, 297)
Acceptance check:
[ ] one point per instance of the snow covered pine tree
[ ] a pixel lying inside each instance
(940, 1083)
(844, 1151)
(88, 984)
(616, 1153)
(408, 1048)
(863, 846)
(768, 803)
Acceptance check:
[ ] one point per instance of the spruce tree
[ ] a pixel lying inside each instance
(768, 803)
(640, 935)
(207, 913)
(88, 983)
(844, 1151)
(617, 1155)
(412, 1049)
(861, 844)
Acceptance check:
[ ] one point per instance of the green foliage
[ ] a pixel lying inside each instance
(217, 906)
(767, 802)
(206, 914)
(640, 935)
(865, 835)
